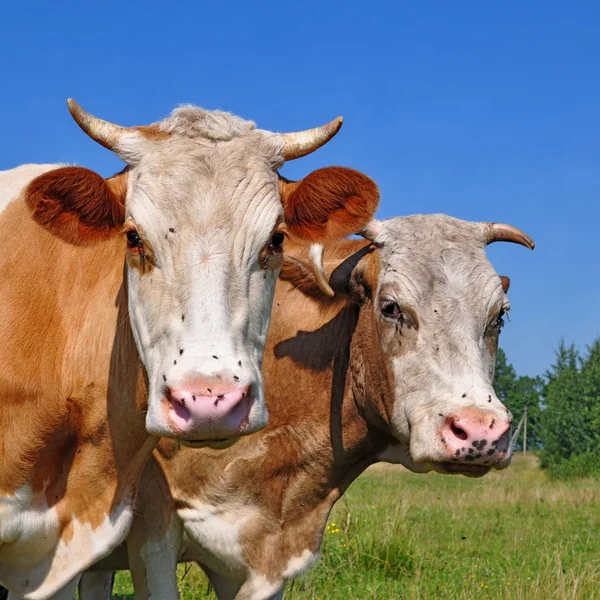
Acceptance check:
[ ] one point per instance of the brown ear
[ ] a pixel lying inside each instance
(328, 204)
(505, 283)
(352, 278)
(78, 205)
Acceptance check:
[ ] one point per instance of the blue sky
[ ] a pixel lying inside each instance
(484, 112)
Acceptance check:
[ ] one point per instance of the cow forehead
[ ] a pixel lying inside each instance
(211, 132)
(436, 257)
(212, 170)
(420, 232)
(206, 153)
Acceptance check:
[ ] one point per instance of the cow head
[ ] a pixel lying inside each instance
(423, 351)
(439, 307)
(201, 214)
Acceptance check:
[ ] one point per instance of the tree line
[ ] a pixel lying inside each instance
(563, 409)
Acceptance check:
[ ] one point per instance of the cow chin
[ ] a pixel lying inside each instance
(448, 468)
(437, 459)
(214, 444)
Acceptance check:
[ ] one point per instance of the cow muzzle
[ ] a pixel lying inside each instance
(208, 412)
(475, 441)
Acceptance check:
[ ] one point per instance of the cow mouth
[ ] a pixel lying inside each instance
(463, 469)
(219, 444)
(219, 433)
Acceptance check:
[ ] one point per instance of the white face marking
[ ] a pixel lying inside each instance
(34, 561)
(205, 212)
(444, 365)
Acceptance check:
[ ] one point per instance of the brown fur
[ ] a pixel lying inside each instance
(71, 387)
(331, 391)
(77, 204)
(316, 443)
(329, 204)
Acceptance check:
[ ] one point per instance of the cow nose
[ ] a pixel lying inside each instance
(477, 437)
(208, 410)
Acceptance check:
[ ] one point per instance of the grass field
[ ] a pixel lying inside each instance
(395, 534)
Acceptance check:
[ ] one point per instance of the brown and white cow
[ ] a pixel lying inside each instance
(397, 366)
(135, 307)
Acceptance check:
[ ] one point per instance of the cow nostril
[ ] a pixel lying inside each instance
(461, 434)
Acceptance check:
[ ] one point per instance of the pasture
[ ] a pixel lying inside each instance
(513, 534)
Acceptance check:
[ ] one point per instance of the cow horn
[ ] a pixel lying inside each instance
(500, 232)
(315, 260)
(301, 143)
(105, 133)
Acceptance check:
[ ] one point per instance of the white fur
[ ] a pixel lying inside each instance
(298, 565)
(34, 562)
(258, 587)
(207, 218)
(212, 535)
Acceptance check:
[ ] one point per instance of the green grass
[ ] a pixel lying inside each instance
(513, 535)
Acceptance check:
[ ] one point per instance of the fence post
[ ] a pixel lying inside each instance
(525, 430)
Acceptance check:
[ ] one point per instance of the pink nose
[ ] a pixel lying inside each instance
(209, 410)
(476, 436)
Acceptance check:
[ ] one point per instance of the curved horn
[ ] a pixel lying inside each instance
(315, 260)
(105, 133)
(301, 143)
(500, 232)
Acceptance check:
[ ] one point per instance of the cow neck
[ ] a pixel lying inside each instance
(316, 443)
(71, 384)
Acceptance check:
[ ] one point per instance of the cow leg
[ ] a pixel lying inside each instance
(225, 589)
(153, 565)
(154, 541)
(96, 585)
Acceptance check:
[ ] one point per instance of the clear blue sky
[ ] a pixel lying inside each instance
(481, 111)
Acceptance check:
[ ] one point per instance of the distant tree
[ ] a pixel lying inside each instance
(570, 424)
(517, 392)
(505, 376)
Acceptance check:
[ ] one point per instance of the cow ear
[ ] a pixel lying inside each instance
(78, 205)
(505, 283)
(353, 279)
(329, 204)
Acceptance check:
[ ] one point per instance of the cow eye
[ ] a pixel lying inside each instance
(133, 239)
(390, 309)
(276, 241)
